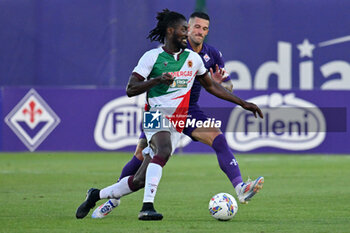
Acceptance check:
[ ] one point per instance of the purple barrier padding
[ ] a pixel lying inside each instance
(1, 117)
(329, 102)
(78, 111)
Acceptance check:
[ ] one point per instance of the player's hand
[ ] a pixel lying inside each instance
(166, 79)
(253, 108)
(218, 76)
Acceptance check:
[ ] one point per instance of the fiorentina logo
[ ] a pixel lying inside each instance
(206, 57)
(32, 120)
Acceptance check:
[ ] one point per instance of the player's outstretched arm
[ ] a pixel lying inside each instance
(216, 89)
(136, 86)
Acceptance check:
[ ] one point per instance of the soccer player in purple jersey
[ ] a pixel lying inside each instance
(212, 58)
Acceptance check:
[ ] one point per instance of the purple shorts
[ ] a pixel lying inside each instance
(142, 135)
(194, 112)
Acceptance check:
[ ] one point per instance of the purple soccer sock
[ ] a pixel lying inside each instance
(130, 168)
(227, 161)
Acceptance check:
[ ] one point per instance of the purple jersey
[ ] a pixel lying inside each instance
(210, 56)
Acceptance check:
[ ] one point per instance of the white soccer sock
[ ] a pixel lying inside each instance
(238, 188)
(116, 190)
(153, 175)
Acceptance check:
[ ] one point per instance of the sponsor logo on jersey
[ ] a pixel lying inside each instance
(179, 83)
(206, 57)
(181, 73)
(289, 123)
(32, 120)
(189, 63)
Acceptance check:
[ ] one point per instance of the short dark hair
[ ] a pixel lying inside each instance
(201, 15)
(166, 19)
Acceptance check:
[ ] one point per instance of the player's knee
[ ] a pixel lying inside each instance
(164, 152)
(220, 143)
(215, 135)
(138, 155)
(139, 182)
(142, 144)
(206, 137)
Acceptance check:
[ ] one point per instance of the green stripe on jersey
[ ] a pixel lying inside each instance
(165, 63)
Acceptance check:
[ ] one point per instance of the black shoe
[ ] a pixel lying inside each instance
(150, 215)
(91, 198)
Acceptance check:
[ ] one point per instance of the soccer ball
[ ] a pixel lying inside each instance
(223, 206)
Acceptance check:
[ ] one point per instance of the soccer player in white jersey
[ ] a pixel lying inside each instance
(167, 75)
(198, 30)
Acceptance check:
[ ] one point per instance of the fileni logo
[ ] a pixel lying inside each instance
(119, 122)
(289, 123)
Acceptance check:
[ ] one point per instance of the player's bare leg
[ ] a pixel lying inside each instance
(161, 145)
(124, 187)
(129, 169)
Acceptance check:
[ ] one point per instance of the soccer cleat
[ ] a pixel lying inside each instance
(150, 215)
(104, 209)
(249, 189)
(88, 204)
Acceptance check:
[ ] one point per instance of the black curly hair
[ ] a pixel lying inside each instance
(166, 19)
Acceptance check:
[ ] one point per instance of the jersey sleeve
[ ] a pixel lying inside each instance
(145, 65)
(201, 68)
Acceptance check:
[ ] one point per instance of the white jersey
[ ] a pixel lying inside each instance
(184, 66)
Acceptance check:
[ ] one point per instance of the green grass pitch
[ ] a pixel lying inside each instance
(40, 192)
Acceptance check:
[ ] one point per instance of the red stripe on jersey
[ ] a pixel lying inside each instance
(181, 112)
(179, 97)
(147, 108)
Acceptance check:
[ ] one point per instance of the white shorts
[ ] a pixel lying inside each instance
(174, 137)
(166, 126)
